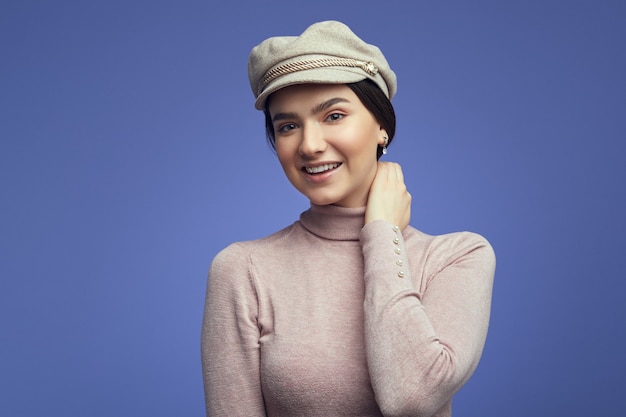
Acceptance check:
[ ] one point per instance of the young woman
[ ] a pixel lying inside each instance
(349, 311)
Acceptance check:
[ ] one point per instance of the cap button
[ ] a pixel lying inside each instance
(371, 68)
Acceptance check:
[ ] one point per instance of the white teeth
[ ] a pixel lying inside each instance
(321, 168)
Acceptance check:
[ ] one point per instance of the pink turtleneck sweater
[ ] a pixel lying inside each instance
(330, 318)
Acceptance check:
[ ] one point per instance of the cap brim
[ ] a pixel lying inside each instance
(332, 75)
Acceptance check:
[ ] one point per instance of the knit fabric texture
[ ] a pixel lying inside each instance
(329, 317)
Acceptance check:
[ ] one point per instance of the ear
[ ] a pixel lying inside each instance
(382, 134)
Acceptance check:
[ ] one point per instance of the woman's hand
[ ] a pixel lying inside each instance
(388, 198)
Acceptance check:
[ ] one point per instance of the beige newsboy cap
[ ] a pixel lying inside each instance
(325, 53)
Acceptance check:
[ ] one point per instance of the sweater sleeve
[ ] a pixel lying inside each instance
(230, 338)
(426, 316)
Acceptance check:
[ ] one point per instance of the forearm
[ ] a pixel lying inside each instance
(425, 328)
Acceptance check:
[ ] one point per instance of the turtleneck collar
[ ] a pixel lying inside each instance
(334, 222)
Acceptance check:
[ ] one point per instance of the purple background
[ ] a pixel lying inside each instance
(131, 153)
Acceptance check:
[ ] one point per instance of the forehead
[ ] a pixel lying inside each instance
(305, 96)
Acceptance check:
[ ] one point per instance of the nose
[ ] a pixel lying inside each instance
(312, 141)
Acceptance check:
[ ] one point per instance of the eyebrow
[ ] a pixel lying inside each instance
(328, 103)
(315, 110)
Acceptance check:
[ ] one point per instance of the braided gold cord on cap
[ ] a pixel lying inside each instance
(292, 67)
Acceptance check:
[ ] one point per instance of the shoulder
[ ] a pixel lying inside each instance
(239, 254)
(232, 274)
(453, 247)
(456, 241)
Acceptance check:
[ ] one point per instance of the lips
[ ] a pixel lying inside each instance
(320, 169)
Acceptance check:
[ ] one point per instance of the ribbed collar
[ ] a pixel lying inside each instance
(333, 222)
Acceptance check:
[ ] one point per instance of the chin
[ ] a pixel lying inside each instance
(322, 200)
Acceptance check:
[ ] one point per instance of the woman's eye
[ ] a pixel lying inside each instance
(334, 117)
(286, 127)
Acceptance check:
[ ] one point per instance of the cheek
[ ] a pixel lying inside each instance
(363, 147)
(355, 137)
(285, 157)
(281, 152)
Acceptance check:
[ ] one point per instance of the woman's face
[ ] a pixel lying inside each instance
(326, 142)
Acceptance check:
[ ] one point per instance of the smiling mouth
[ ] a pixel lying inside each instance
(320, 169)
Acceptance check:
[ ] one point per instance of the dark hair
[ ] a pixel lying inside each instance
(372, 98)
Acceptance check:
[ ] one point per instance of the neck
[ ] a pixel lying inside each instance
(334, 222)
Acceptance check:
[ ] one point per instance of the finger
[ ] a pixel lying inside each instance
(384, 171)
(399, 173)
(394, 172)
